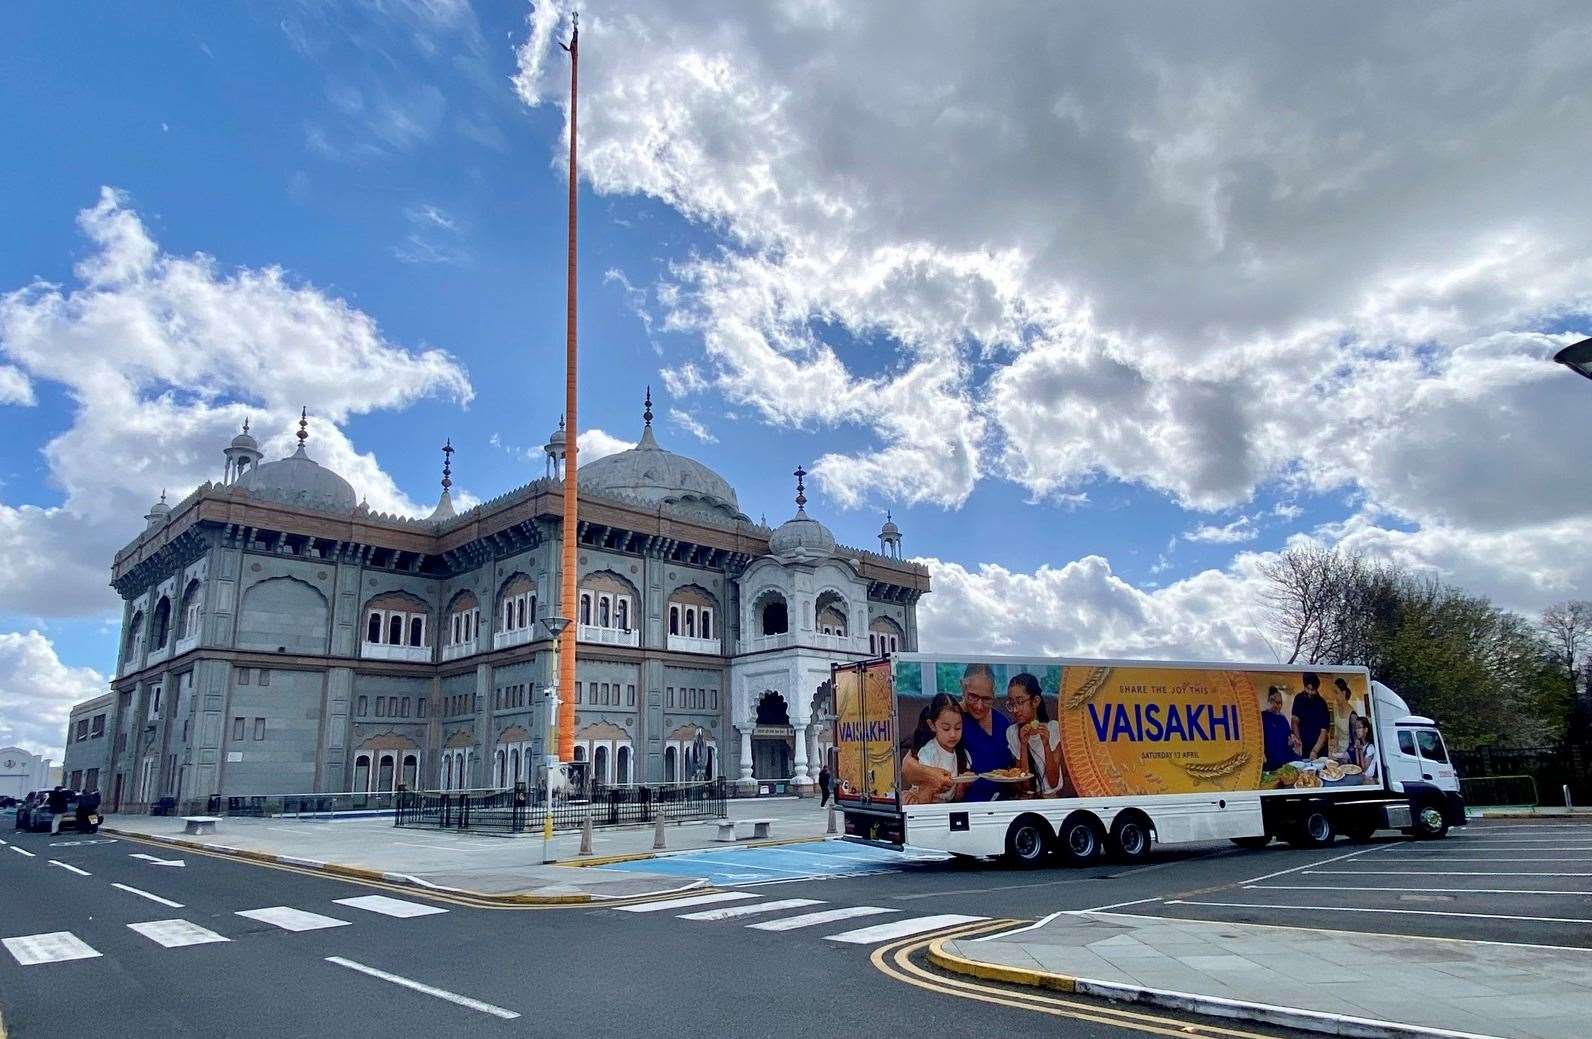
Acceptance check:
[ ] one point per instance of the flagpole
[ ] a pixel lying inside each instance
(568, 606)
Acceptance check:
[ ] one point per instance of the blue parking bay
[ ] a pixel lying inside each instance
(813, 860)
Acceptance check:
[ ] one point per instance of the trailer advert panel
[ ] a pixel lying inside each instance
(979, 731)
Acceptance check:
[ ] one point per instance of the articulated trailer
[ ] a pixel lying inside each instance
(1044, 759)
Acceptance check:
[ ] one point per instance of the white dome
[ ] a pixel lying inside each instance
(299, 481)
(802, 535)
(650, 473)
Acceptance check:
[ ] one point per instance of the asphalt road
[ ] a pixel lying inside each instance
(746, 963)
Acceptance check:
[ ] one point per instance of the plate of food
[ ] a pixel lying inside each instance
(965, 777)
(1351, 770)
(1308, 781)
(1007, 775)
(1332, 771)
(1286, 776)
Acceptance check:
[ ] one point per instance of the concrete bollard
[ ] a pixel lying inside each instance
(657, 835)
(585, 837)
(831, 828)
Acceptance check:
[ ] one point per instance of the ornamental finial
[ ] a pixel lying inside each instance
(447, 464)
(801, 490)
(304, 425)
(647, 414)
(245, 425)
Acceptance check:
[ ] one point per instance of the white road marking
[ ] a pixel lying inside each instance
(1113, 905)
(290, 919)
(681, 903)
(70, 868)
(753, 909)
(1401, 912)
(48, 948)
(1036, 925)
(174, 934)
(430, 990)
(791, 923)
(390, 906)
(901, 928)
(2, 844)
(1433, 890)
(1436, 873)
(24, 851)
(1490, 858)
(1310, 866)
(154, 861)
(168, 903)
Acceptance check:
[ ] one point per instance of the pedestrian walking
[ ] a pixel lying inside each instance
(823, 786)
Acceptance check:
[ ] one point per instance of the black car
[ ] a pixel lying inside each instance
(41, 817)
(7, 801)
(26, 805)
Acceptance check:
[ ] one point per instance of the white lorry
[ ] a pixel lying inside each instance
(1041, 758)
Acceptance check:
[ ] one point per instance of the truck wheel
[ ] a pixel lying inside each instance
(1080, 840)
(1430, 822)
(1314, 829)
(1252, 842)
(1028, 842)
(1130, 840)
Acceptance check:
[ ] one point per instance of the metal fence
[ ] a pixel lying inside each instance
(524, 808)
(1498, 774)
(268, 805)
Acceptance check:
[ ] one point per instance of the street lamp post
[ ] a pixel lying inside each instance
(555, 627)
(1577, 357)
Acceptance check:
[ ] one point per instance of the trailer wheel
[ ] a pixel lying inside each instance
(1130, 838)
(1314, 829)
(1028, 841)
(1081, 840)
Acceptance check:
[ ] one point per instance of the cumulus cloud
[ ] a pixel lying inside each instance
(164, 356)
(1241, 529)
(592, 444)
(1206, 251)
(37, 692)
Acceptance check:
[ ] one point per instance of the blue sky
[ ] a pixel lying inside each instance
(1092, 308)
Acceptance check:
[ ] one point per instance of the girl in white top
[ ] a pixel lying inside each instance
(1040, 751)
(937, 744)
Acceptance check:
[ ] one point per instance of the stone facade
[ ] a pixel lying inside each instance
(22, 773)
(276, 640)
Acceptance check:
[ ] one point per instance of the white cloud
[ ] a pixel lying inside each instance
(1200, 250)
(37, 692)
(1241, 529)
(190, 343)
(15, 387)
(692, 426)
(592, 444)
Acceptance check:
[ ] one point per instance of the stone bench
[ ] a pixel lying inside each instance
(729, 829)
(199, 824)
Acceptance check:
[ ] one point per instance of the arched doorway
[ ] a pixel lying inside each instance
(773, 740)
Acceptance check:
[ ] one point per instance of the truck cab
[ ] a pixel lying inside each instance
(1417, 763)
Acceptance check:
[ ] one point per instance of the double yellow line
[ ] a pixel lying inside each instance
(896, 961)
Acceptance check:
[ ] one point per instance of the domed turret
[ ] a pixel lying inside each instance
(555, 450)
(158, 513)
(242, 455)
(299, 481)
(801, 536)
(652, 474)
(890, 538)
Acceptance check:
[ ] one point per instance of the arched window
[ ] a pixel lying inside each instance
(602, 612)
(708, 774)
(135, 631)
(417, 631)
(580, 753)
(502, 768)
(600, 765)
(690, 623)
(674, 620)
(373, 629)
(514, 763)
(622, 767)
(191, 611)
(411, 771)
(395, 630)
(162, 629)
(384, 773)
(668, 765)
(775, 620)
(362, 773)
(707, 624)
(623, 608)
(585, 609)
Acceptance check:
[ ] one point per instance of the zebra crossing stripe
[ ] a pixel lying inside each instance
(901, 928)
(53, 947)
(729, 912)
(791, 923)
(290, 919)
(174, 934)
(389, 906)
(681, 903)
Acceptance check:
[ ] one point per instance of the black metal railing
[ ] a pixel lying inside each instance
(266, 805)
(524, 808)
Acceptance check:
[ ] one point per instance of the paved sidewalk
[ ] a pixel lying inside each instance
(1342, 982)
(482, 865)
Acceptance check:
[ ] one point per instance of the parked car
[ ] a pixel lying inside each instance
(7, 801)
(25, 808)
(41, 817)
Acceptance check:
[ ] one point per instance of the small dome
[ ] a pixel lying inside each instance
(557, 436)
(889, 529)
(653, 474)
(243, 441)
(158, 513)
(299, 481)
(801, 535)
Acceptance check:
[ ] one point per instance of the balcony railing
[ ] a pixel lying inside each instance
(517, 637)
(382, 651)
(157, 655)
(759, 643)
(186, 643)
(609, 636)
(687, 644)
(458, 649)
(812, 639)
(133, 662)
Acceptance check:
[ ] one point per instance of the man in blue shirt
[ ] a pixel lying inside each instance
(1312, 717)
(1282, 746)
(983, 731)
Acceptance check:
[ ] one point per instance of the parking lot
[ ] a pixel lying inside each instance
(1514, 881)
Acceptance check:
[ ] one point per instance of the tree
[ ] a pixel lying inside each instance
(1568, 627)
